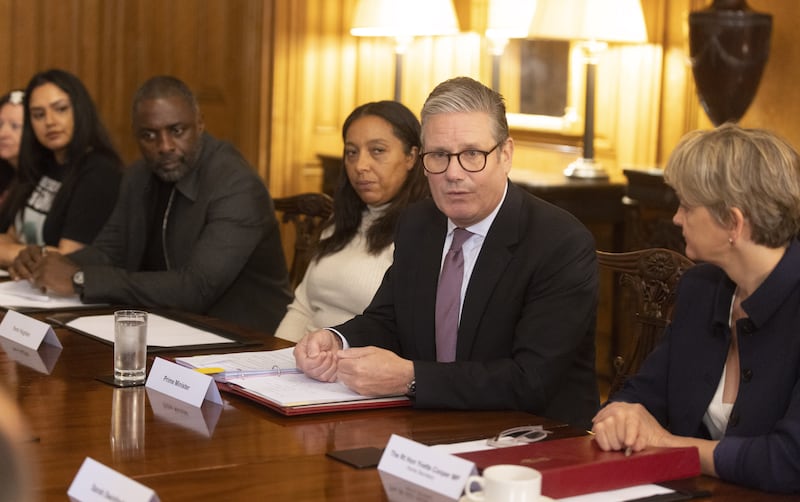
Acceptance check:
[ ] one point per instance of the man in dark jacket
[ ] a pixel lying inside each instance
(194, 228)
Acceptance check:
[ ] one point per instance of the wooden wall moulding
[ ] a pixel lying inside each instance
(217, 48)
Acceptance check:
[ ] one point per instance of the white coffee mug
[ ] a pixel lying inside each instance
(506, 483)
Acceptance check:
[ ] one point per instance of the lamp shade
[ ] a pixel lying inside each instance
(510, 18)
(601, 20)
(406, 18)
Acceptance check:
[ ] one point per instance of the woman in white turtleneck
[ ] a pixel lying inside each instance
(382, 175)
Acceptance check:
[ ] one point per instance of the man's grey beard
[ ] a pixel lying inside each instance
(172, 175)
(187, 164)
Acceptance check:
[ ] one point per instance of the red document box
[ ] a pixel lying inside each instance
(576, 466)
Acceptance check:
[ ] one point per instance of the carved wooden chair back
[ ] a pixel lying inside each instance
(307, 212)
(647, 281)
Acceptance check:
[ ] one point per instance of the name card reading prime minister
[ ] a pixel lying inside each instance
(182, 383)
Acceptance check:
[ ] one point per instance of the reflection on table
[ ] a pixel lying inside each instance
(237, 451)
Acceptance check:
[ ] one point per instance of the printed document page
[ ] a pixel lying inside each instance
(296, 389)
(276, 378)
(23, 294)
(630, 493)
(161, 331)
(243, 361)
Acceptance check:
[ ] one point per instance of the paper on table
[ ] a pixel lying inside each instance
(23, 294)
(629, 493)
(296, 389)
(161, 332)
(24, 289)
(243, 361)
(464, 446)
(284, 389)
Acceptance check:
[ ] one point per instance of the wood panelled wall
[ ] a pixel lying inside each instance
(322, 72)
(278, 77)
(646, 96)
(221, 49)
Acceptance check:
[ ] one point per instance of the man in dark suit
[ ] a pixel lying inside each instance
(525, 339)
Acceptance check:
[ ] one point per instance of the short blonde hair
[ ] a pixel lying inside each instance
(753, 170)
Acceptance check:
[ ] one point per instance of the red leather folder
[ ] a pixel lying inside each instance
(575, 466)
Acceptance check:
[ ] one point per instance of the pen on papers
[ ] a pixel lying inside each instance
(229, 375)
(209, 371)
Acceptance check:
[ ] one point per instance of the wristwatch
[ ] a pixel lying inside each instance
(77, 282)
(411, 388)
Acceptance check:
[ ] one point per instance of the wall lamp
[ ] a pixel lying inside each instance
(403, 20)
(593, 24)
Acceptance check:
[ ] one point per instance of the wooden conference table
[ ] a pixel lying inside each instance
(239, 451)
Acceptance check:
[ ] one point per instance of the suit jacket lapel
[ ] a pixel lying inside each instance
(425, 281)
(492, 262)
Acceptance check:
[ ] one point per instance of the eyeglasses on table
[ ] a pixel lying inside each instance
(516, 436)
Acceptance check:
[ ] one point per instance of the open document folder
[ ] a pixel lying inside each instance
(21, 294)
(272, 379)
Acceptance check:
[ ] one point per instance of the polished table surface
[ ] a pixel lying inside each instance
(239, 451)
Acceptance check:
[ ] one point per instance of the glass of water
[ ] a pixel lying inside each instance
(130, 346)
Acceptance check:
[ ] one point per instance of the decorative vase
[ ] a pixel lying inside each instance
(729, 47)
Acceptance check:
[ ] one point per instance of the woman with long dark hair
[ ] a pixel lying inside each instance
(382, 175)
(69, 172)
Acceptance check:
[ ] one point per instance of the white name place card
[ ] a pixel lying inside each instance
(182, 383)
(422, 465)
(27, 331)
(96, 482)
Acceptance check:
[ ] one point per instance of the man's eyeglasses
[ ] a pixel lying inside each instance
(472, 161)
(518, 435)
